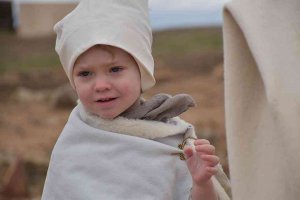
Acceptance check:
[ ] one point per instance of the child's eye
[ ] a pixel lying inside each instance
(84, 73)
(116, 69)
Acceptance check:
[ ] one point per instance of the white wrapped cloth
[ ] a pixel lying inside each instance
(90, 163)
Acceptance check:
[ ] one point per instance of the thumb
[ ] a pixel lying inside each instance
(188, 152)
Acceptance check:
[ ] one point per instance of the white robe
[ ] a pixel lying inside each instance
(90, 163)
(262, 98)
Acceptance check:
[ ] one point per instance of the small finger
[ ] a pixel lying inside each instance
(212, 170)
(206, 148)
(201, 141)
(212, 160)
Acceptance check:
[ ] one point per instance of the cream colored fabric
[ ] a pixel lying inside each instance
(119, 23)
(262, 98)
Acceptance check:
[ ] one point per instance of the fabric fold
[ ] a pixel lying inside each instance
(262, 97)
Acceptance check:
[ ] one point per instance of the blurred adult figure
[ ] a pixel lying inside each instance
(262, 98)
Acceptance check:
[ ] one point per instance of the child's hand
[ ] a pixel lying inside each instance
(202, 164)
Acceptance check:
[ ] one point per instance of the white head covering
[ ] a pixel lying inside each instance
(120, 23)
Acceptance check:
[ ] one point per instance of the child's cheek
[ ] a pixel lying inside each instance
(83, 93)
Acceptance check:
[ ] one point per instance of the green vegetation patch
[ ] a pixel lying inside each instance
(194, 47)
(187, 41)
(25, 54)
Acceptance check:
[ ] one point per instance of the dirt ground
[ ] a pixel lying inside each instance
(30, 125)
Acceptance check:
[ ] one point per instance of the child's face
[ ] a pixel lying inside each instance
(107, 80)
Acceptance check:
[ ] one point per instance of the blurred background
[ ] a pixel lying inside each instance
(36, 99)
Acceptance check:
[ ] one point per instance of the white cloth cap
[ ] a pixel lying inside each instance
(121, 23)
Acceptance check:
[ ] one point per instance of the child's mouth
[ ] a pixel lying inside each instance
(105, 100)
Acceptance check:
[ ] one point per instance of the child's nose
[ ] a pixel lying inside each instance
(102, 84)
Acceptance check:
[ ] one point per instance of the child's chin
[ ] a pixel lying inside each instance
(108, 117)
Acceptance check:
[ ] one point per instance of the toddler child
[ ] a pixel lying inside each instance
(116, 145)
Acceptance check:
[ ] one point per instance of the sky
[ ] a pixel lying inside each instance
(166, 14)
(185, 13)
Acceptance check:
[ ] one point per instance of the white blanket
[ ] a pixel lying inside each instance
(89, 163)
